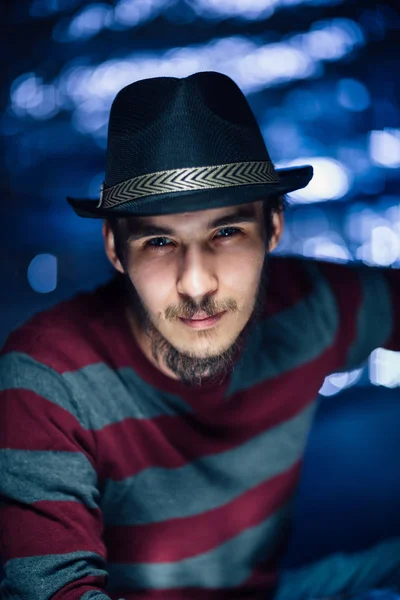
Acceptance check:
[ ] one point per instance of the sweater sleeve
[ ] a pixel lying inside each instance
(367, 301)
(50, 519)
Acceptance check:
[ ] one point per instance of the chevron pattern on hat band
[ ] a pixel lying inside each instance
(188, 179)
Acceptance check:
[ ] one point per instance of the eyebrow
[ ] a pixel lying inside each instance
(140, 229)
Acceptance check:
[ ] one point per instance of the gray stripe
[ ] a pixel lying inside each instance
(95, 388)
(95, 595)
(290, 338)
(377, 567)
(40, 577)
(374, 320)
(20, 371)
(32, 475)
(227, 566)
(158, 494)
(92, 389)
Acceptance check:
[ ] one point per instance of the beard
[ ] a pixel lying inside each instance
(192, 370)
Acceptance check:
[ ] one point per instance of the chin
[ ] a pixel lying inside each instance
(204, 348)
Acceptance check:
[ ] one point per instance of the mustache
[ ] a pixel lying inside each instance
(189, 309)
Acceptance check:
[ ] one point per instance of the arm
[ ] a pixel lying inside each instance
(368, 310)
(50, 520)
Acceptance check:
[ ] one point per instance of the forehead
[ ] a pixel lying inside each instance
(202, 219)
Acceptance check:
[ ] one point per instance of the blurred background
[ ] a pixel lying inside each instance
(322, 77)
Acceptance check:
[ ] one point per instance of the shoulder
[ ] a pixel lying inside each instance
(292, 280)
(65, 337)
(319, 294)
(295, 277)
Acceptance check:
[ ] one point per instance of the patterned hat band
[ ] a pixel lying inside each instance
(188, 179)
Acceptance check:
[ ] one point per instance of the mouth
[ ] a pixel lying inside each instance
(200, 321)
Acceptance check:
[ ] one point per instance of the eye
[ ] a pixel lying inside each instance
(228, 232)
(157, 243)
(160, 243)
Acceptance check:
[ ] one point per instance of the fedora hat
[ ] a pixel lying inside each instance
(185, 144)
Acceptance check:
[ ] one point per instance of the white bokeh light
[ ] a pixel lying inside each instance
(337, 382)
(384, 368)
(383, 248)
(330, 40)
(89, 21)
(384, 148)
(129, 13)
(325, 247)
(244, 9)
(392, 214)
(331, 180)
(360, 221)
(30, 96)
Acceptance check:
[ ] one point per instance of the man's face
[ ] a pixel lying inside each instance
(182, 268)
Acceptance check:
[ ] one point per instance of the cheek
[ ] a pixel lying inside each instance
(241, 273)
(153, 285)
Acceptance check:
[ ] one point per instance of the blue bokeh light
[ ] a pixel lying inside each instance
(42, 273)
(353, 95)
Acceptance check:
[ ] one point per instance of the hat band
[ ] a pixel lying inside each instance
(188, 179)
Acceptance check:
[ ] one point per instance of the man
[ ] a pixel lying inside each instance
(152, 430)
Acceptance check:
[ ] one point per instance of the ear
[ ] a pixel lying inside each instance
(277, 229)
(109, 246)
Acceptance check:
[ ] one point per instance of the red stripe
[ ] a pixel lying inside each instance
(393, 277)
(180, 538)
(50, 527)
(347, 290)
(289, 283)
(41, 425)
(75, 589)
(74, 333)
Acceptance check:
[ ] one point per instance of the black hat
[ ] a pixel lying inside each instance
(178, 145)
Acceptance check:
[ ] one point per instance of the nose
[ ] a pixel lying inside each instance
(197, 277)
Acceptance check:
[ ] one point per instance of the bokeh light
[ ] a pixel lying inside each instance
(384, 148)
(384, 368)
(353, 95)
(337, 382)
(42, 273)
(330, 180)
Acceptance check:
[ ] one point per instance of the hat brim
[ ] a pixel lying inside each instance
(291, 179)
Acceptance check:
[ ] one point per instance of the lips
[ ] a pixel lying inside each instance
(201, 316)
(199, 321)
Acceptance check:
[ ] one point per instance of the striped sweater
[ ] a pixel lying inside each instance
(119, 482)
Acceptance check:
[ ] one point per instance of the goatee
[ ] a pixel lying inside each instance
(191, 370)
